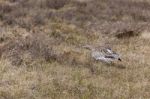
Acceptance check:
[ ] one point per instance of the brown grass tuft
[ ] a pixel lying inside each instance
(41, 54)
(57, 4)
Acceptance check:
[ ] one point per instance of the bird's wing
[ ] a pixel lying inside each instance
(109, 56)
(109, 51)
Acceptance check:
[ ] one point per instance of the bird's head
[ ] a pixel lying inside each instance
(117, 56)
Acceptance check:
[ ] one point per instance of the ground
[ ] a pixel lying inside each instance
(41, 53)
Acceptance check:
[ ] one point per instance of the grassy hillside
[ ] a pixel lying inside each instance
(41, 53)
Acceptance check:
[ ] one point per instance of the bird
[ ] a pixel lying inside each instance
(104, 54)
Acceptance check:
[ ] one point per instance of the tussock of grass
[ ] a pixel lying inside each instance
(68, 33)
(42, 56)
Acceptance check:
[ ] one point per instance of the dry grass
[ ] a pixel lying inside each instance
(41, 54)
